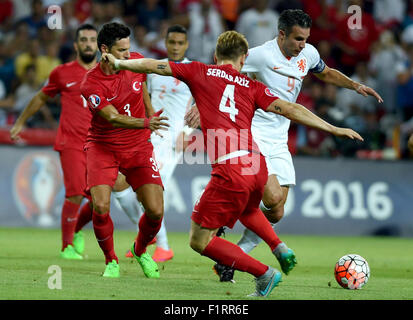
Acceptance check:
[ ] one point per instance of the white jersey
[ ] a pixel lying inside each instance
(174, 97)
(284, 77)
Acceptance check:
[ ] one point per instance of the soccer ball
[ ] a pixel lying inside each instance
(352, 271)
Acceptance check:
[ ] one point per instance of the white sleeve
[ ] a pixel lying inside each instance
(315, 63)
(253, 61)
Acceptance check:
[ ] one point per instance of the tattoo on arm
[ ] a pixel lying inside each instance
(161, 66)
(278, 109)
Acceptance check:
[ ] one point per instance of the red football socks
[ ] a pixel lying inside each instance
(68, 222)
(85, 216)
(229, 254)
(103, 228)
(148, 229)
(258, 223)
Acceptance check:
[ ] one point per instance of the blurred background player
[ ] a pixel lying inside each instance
(236, 186)
(71, 136)
(116, 99)
(282, 64)
(174, 97)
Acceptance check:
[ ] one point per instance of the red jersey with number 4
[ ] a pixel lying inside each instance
(226, 101)
(123, 90)
(74, 116)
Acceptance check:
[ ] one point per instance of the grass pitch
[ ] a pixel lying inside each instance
(26, 255)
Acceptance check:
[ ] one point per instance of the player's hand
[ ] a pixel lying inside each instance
(347, 133)
(109, 58)
(367, 91)
(15, 131)
(157, 122)
(192, 118)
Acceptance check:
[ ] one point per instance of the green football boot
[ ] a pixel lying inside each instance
(112, 270)
(79, 242)
(286, 257)
(70, 253)
(149, 267)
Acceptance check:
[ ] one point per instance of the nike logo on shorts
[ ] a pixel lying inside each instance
(155, 176)
(68, 85)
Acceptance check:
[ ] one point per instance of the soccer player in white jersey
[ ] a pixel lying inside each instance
(281, 64)
(174, 97)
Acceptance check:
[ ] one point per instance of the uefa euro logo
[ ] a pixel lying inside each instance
(94, 99)
(38, 188)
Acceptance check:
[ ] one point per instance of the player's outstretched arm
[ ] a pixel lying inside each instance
(298, 113)
(339, 79)
(111, 114)
(34, 106)
(144, 65)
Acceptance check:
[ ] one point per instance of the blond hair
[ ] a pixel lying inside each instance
(231, 45)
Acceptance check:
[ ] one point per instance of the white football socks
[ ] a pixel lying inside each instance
(249, 239)
(129, 203)
(263, 207)
(162, 238)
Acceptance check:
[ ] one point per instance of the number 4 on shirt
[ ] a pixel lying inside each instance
(228, 95)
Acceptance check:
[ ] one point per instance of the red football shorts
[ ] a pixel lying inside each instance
(230, 193)
(103, 166)
(74, 171)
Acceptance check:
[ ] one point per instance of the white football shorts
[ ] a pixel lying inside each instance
(166, 157)
(279, 161)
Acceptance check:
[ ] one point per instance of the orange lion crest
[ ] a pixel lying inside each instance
(302, 64)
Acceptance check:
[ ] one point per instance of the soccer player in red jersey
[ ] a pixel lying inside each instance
(71, 135)
(226, 101)
(119, 140)
(75, 120)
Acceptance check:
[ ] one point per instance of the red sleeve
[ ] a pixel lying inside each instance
(186, 71)
(52, 87)
(263, 96)
(94, 95)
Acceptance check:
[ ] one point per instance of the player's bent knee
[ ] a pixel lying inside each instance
(196, 245)
(275, 214)
(273, 199)
(154, 211)
(101, 206)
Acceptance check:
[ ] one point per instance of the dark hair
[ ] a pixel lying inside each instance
(176, 28)
(293, 17)
(112, 32)
(231, 45)
(85, 26)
